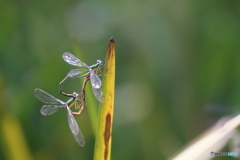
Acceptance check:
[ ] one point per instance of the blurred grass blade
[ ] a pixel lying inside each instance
(212, 140)
(91, 102)
(14, 138)
(104, 132)
(12, 133)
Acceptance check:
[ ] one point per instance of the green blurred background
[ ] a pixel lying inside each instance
(177, 73)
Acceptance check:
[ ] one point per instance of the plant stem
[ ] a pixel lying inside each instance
(105, 118)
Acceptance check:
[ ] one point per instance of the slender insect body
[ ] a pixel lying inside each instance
(74, 73)
(77, 100)
(52, 106)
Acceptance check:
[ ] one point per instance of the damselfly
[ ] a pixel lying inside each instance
(52, 106)
(81, 96)
(95, 80)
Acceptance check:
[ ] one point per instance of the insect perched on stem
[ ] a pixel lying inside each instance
(74, 73)
(52, 106)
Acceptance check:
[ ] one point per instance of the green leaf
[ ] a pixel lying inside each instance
(105, 117)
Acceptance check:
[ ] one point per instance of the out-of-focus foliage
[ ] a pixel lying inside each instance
(178, 72)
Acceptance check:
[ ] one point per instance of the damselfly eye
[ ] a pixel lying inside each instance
(75, 94)
(99, 61)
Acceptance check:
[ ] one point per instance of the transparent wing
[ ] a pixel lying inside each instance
(77, 134)
(95, 80)
(50, 109)
(80, 139)
(71, 59)
(85, 65)
(98, 93)
(46, 98)
(74, 72)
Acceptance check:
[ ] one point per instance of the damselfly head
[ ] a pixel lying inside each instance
(75, 94)
(99, 61)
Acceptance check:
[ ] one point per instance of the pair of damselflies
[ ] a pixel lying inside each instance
(78, 100)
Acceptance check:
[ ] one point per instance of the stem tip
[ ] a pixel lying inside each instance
(111, 39)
